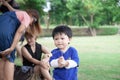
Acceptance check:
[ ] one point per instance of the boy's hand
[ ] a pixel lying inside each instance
(61, 62)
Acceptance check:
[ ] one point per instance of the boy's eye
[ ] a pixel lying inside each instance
(56, 39)
(62, 38)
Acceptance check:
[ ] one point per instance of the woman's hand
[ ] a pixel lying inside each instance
(1, 2)
(44, 65)
(6, 52)
(4, 2)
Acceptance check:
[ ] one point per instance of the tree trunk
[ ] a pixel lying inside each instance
(92, 31)
(92, 28)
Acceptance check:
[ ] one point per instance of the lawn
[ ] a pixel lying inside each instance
(99, 56)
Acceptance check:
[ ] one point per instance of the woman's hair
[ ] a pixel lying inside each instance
(35, 27)
(27, 33)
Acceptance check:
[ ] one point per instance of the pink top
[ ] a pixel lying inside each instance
(23, 17)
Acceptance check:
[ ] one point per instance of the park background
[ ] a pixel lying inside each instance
(96, 35)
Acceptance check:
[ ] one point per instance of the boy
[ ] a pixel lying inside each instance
(64, 58)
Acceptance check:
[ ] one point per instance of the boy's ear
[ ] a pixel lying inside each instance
(70, 39)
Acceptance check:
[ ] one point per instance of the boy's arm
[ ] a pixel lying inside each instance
(70, 64)
(73, 61)
(54, 63)
(59, 62)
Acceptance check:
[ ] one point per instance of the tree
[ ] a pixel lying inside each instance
(34, 4)
(87, 9)
(79, 12)
(111, 11)
(59, 11)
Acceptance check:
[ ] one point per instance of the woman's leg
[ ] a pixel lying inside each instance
(1, 69)
(45, 73)
(42, 72)
(8, 70)
(36, 70)
(18, 50)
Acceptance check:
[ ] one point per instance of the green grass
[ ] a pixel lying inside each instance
(99, 56)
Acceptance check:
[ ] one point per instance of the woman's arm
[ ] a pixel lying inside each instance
(18, 35)
(16, 39)
(46, 51)
(5, 3)
(27, 55)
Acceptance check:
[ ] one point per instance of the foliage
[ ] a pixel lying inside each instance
(75, 11)
(59, 11)
(86, 9)
(111, 11)
(108, 31)
(34, 4)
(78, 12)
(94, 25)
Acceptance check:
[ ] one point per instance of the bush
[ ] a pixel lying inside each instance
(85, 31)
(107, 31)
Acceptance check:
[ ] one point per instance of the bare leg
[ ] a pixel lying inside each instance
(1, 69)
(18, 49)
(42, 71)
(45, 71)
(8, 70)
(46, 74)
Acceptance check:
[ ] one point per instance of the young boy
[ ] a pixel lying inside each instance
(64, 58)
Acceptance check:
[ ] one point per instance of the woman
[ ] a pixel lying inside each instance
(32, 52)
(12, 25)
(4, 9)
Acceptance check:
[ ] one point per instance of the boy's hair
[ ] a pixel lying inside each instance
(62, 29)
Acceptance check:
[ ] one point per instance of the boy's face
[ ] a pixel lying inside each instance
(61, 41)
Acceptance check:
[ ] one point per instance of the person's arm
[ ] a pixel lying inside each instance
(46, 51)
(54, 63)
(27, 55)
(59, 63)
(47, 54)
(16, 39)
(70, 64)
(74, 61)
(5, 3)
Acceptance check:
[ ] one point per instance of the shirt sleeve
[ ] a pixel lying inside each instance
(23, 17)
(72, 64)
(54, 63)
